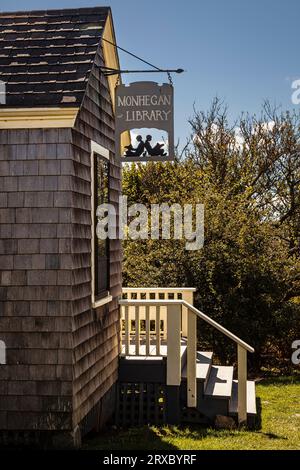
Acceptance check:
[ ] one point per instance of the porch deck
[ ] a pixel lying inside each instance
(143, 356)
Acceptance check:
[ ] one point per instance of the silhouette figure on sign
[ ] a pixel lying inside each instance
(135, 152)
(155, 151)
(145, 149)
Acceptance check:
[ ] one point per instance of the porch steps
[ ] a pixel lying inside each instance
(251, 399)
(217, 390)
(219, 384)
(203, 365)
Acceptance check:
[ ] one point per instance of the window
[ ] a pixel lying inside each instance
(100, 248)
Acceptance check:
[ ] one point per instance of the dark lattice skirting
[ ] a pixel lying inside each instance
(141, 403)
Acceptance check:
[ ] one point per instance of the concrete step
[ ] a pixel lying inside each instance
(219, 384)
(203, 365)
(251, 399)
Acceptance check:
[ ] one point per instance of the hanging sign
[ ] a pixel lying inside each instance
(145, 108)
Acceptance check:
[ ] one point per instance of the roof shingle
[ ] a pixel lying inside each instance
(46, 56)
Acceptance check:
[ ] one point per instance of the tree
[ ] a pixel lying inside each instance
(259, 158)
(247, 274)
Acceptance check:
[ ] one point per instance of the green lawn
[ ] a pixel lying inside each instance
(280, 427)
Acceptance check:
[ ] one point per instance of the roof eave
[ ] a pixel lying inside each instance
(38, 118)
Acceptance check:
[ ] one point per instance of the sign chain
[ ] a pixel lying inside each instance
(170, 79)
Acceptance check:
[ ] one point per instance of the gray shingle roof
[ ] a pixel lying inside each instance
(46, 56)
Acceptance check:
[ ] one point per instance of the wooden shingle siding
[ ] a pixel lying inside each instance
(62, 355)
(96, 333)
(36, 280)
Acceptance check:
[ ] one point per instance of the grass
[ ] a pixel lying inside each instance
(279, 427)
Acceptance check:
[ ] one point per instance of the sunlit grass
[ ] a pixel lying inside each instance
(280, 427)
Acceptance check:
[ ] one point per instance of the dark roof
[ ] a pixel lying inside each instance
(46, 56)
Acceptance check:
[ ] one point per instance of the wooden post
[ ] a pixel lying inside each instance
(173, 342)
(192, 360)
(164, 317)
(242, 385)
(127, 330)
(188, 297)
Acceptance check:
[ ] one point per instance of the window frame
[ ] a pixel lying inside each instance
(97, 149)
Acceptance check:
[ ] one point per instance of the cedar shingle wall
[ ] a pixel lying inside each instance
(36, 279)
(95, 335)
(61, 355)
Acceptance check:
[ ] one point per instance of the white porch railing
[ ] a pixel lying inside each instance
(153, 316)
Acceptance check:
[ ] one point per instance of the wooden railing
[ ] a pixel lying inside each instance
(151, 319)
(154, 316)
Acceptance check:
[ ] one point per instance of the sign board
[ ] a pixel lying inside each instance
(145, 105)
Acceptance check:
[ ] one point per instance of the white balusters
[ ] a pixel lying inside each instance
(137, 330)
(147, 326)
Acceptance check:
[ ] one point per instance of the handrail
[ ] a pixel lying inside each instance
(193, 309)
(219, 327)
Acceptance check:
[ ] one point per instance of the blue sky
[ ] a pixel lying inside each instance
(243, 51)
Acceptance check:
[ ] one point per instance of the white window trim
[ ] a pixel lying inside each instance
(103, 152)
